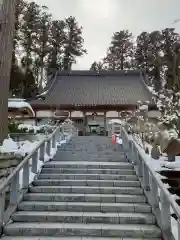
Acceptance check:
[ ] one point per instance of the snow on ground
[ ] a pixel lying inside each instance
(155, 164)
(21, 148)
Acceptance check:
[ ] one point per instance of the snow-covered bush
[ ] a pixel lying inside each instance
(168, 103)
(15, 127)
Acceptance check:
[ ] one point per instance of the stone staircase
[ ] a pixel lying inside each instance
(89, 190)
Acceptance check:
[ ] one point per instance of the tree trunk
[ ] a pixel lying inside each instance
(122, 62)
(7, 20)
(41, 78)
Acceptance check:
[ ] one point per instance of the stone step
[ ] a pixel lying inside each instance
(84, 207)
(84, 217)
(107, 160)
(86, 170)
(87, 176)
(75, 238)
(100, 183)
(70, 197)
(74, 229)
(86, 189)
(99, 158)
(87, 164)
(89, 153)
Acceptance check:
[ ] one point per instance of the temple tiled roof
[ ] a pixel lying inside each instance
(86, 88)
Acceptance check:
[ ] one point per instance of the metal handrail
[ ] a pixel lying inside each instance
(145, 173)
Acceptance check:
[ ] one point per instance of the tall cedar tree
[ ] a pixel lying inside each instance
(28, 40)
(41, 43)
(142, 50)
(17, 75)
(155, 59)
(7, 9)
(73, 44)
(171, 41)
(42, 46)
(57, 41)
(120, 50)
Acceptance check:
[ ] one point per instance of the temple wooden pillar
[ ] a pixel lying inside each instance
(105, 123)
(85, 124)
(70, 117)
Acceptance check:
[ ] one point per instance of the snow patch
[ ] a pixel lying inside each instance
(174, 227)
(21, 148)
(143, 107)
(118, 121)
(119, 141)
(172, 165)
(18, 103)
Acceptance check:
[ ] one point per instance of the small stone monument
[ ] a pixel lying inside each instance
(155, 152)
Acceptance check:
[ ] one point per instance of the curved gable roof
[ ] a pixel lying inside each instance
(87, 88)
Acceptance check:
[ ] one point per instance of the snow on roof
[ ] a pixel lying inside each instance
(18, 103)
(118, 121)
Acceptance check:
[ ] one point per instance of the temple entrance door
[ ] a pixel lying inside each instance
(95, 123)
(93, 129)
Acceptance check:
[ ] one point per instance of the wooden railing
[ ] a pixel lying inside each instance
(157, 194)
(11, 190)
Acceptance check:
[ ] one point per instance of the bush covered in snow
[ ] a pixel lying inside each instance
(15, 127)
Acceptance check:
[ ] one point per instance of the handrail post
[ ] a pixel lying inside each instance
(136, 157)
(42, 152)
(54, 141)
(2, 207)
(62, 133)
(154, 193)
(35, 162)
(48, 147)
(14, 189)
(133, 154)
(165, 214)
(26, 175)
(178, 223)
(57, 135)
(139, 164)
(130, 151)
(145, 177)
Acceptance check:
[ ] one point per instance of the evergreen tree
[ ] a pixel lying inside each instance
(120, 50)
(57, 41)
(97, 66)
(171, 41)
(17, 76)
(43, 46)
(28, 40)
(142, 50)
(74, 43)
(155, 60)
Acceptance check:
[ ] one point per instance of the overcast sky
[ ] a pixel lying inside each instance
(100, 18)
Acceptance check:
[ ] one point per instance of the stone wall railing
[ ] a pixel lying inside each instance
(157, 195)
(11, 190)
